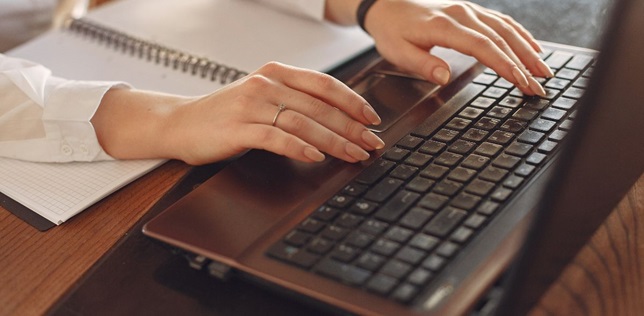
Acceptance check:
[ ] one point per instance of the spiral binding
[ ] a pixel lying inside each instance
(154, 52)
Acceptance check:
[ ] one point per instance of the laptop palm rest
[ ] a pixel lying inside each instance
(237, 207)
(231, 210)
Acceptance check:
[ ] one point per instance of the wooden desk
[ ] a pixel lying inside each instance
(36, 269)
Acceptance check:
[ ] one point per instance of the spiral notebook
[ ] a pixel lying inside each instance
(189, 47)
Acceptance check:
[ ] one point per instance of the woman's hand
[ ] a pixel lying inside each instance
(405, 30)
(321, 115)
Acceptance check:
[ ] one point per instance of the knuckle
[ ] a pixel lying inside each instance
(353, 128)
(319, 109)
(457, 9)
(324, 81)
(482, 42)
(257, 81)
(268, 138)
(498, 40)
(440, 22)
(505, 30)
(506, 17)
(290, 145)
(333, 142)
(298, 123)
(271, 67)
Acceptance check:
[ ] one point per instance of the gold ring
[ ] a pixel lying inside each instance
(281, 108)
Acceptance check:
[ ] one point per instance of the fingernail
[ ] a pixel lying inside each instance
(373, 140)
(539, 47)
(522, 81)
(313, 154)
(544, 68)
(536, 87)
(356, 152)
(371, 115)
(441, 75)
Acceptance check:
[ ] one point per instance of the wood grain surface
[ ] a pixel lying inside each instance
(37, 268)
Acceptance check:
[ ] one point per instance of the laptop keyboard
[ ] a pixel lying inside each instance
(400, 221)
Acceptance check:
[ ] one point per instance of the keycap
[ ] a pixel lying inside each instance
(434, 171)
(482, 102)
(409, 142)
(416, 218)
(383, 189)
(374, 171)
(433, 201)
(293, 254)
(371, 261)
(432, 147)
(343, 272)
(479, 187)
(445, 221)
(381, 284)
(410, 255)
(385, 247)
(447, 187)
(359, 239)
(395, 207)
(579, 62)
(465, 201)
(404, 293)
(558, 59)
(420, 276)
(396, 269)
(424, 242)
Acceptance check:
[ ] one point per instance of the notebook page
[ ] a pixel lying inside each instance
(60, 191)
(237, 33)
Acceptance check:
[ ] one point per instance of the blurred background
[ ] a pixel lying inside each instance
(541, 17)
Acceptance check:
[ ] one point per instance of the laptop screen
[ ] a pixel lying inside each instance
(603, 159)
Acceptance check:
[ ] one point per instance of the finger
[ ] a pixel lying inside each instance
(417, 60)
(518, 43)
(266, 137)
(529, 86)
(327, 116)
(320, 137)
(323, 87)
(470, 42)
(307, 130)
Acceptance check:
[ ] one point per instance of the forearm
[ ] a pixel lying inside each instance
(342, 12)
(134, 124)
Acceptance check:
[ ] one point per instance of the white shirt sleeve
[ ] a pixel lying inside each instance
(46, 118)
(313, 9)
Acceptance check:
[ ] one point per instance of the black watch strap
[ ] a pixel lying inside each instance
(361, 13)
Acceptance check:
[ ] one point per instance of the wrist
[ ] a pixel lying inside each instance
(133, 124)
(361, 12)
(341, 11)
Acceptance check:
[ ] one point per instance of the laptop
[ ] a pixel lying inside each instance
(479, 188)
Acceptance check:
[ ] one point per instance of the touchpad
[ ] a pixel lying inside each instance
(392, 96)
